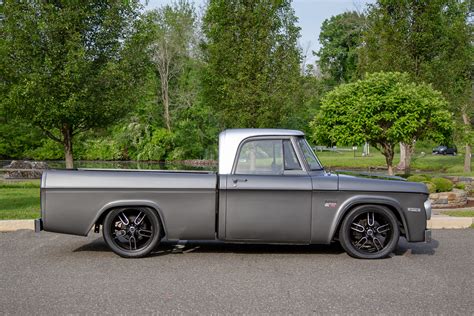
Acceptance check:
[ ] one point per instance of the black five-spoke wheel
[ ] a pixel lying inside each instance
(369, 232)
(132, 232)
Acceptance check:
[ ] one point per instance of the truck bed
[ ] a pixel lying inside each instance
(73, 200)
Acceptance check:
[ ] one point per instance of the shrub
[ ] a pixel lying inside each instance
(431, 186)
(101, 149)
(159, 146)
(417, 178)
(460, 186)
(442, 184)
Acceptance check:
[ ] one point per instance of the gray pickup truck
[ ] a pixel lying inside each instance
(270, 188)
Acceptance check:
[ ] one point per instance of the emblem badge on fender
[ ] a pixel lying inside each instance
(331, 204)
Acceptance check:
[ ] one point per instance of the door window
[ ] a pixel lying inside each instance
(291, 161)
(267, 156)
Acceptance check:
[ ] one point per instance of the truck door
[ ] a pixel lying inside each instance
(268, 193)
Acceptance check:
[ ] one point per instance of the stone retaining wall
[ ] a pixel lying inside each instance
(454, 198)
(24, 169)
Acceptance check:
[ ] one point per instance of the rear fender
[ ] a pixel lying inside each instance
(366, 199)
(123, 203)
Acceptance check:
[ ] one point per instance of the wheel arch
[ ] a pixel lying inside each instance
(392, 204)
(104, 210)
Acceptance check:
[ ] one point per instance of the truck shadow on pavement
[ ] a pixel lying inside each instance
(406, 248)
(204, 246)
(221, 247)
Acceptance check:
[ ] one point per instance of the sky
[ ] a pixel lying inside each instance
(310, 13)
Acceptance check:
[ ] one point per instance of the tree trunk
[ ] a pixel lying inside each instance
(467, 158)
(166, 103)
(403, 150)
(467, 155)
(388, 152)
(164, 59)
(67, 143)
(406, 151)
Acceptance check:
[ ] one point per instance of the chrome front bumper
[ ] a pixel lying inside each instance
(427, 235)
(427, 206)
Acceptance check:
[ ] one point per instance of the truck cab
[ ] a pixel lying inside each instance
(266, 185)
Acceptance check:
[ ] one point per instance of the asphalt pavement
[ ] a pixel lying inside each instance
(58, 274)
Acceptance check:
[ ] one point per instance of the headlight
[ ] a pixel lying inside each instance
(427, 206)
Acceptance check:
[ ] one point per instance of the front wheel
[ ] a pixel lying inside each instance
(132, 232)
(369, 232)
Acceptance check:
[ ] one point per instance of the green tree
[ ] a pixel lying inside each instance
(173, 40)
(68, 67)
(383, 110)
(16, 137)
(252, 62)
(340, 38)
(429, 40)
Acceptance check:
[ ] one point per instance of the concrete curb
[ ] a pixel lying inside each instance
(450, 222)
(436, 222)
(13, 225)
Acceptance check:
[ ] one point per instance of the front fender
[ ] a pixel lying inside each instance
(366, 199)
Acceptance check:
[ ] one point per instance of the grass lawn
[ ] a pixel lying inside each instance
(422, 163)
(19, 200)
(459, 213)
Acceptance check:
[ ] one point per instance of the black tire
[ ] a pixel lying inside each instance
(132, 232)
(369, 232)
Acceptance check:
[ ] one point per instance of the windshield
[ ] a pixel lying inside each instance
(309, 155)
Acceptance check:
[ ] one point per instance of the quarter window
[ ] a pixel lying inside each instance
(309, 155)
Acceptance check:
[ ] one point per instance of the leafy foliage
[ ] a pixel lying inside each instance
(340, 38)
(252, 62)
(429, 40)
(66, 67)
(16, 136)
(172, 43)
(442, 184)
(432, 42)
(417, 178)
(126, 85)
(430, 185)
(383, 109)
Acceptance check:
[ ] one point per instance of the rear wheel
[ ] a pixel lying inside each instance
(132, 232)
(369, 232)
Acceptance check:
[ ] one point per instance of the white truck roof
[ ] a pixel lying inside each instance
(230, 139)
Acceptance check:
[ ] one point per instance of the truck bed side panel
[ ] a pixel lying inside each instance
(186, 202)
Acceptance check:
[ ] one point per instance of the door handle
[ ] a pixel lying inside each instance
(235, 180)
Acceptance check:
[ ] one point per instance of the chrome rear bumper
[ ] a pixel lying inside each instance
(38, 225)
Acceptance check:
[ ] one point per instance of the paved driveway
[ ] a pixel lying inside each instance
(50, 273)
